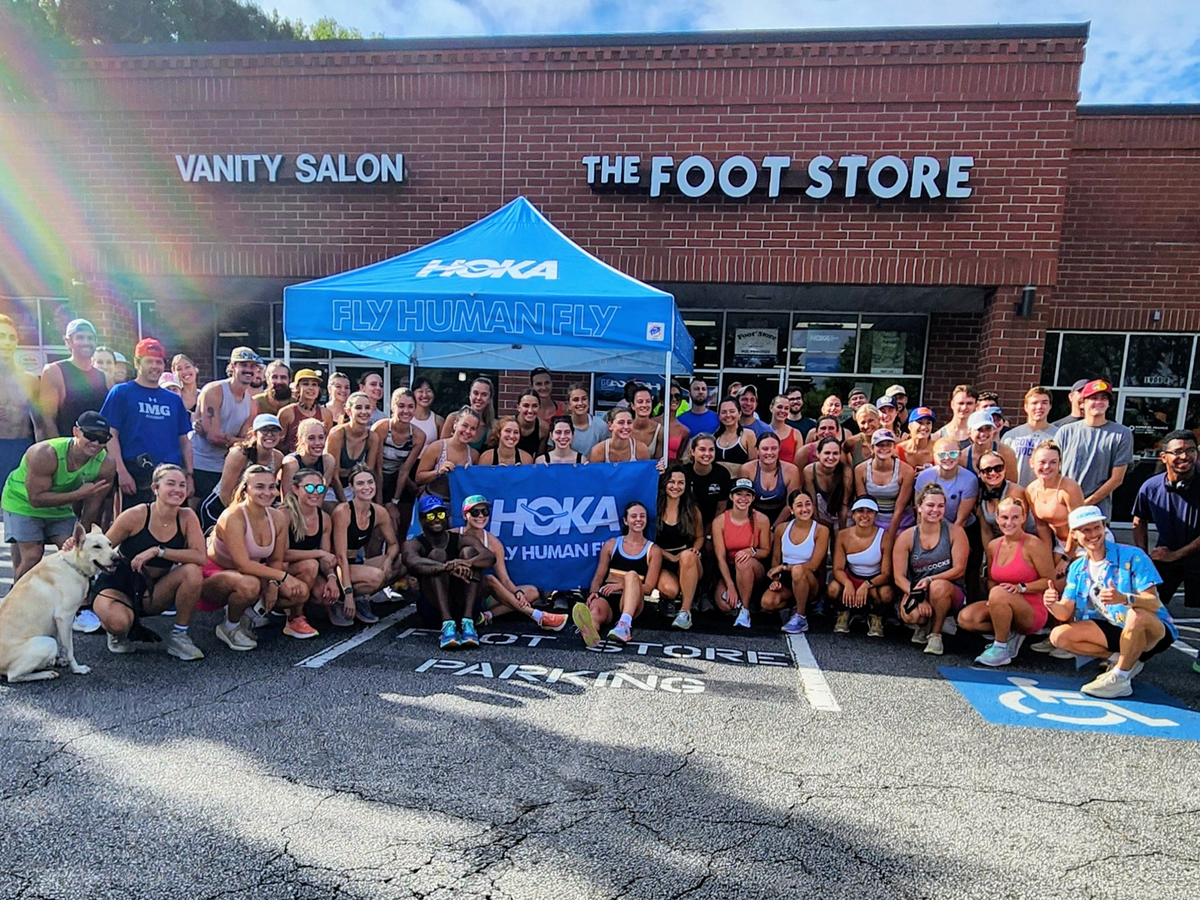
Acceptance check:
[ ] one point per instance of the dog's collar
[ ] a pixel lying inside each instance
(86, 576)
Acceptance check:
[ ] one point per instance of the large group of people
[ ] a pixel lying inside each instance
(252, 496)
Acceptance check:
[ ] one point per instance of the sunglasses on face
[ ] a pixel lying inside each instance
(96, 437)
(435, 514)
(479, 512)
(315, 488)
(949, 454)
(990, 470)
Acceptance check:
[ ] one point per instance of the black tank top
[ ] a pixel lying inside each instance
(81, 391)
(347, 462)
(313, 541)
(673, 537)
(357, 538)
(144, 540)
(318, 466)
(735, 454)
(623, 563)
(532, 443)
(452, 545)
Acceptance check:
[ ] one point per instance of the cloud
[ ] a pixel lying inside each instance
(1137, 53)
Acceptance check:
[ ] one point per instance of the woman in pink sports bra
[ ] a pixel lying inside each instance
(245, 560)
(1020, 568)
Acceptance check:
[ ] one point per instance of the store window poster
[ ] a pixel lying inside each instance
(755, 348)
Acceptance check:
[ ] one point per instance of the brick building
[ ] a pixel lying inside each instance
(113, 205)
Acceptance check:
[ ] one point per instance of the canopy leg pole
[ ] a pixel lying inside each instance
(666, 437)
(287, 353)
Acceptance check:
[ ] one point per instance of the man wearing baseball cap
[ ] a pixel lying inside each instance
(1024, 439)
(748, 404)
(73, 385)
(306, 388)
(448, 565)
(899, 396)
(224, 412)
(1111, 606)
(149, 425)
(1096, 453)
(1076, 407)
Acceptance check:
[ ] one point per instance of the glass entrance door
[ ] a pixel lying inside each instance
(1150, 416)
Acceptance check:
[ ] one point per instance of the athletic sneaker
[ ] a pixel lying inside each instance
(920, 634)
(797, 624)
(743, 619)
(1047, 647)
(86, 622)
(996, 654)
(874, 626)
(170, 610)
(621, 633)
(235, 638)
(338, 617)
(449, 638)
(683, 621)
(298, 627)
(553, 621)
(950, 625)
(1108, 685)
(180, 646)
(466, 634)
(934, 645)
(842, 625)
(258, 615)
(246, 627)
(363, 611)
(120, 644)
(1196, 664)
(1014, 642)
(582, 617)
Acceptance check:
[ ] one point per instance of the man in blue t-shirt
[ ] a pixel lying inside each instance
(699, 419)
(1111, 606)
(150, 425)
(1171, 500)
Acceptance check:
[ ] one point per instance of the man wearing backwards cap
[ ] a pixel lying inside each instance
(149, 425)
(449, 567)
(899, 396)
(1111, 605)
(306, 388)
(56, 476)
(73, 385)
(1096, 452)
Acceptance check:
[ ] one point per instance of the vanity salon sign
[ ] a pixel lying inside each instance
(305, 168)
(849, 175)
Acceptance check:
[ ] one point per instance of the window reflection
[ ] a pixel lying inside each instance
(1091, 356)
(825, 345)
(892, 345)
(1158, 361)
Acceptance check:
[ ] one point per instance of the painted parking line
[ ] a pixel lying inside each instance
(812, 679)
(329, 654)
(1185, 647)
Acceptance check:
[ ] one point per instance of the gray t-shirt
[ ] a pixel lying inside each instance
(1024, 440)
(1090, 453)
(587, 438)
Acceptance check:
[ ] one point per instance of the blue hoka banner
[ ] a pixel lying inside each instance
(553, 520)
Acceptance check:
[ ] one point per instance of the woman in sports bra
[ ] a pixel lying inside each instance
(162, 562)
(773, 480)
(440, 458)
(1052, 496)
(798, 556)
(1020, 568)
(354, 443)
(677, 434)
(736, 445)
(245, 561)
(680, 537)
(561, 451)
(862, 569)
(622, 446)
(887, 481)
(501, 595)
(339, 394)
(533, 428)
(790, 439)
(646, 428)
(858, 446)
(361, 528)
(309, 556)
(260, 449)
(400, 447)
(826, 427)
(830, 481)
(506, 452)
(425, 419)
(479, 401)
(310, 454)
(993, 488)
(742, 544)
(628, 570)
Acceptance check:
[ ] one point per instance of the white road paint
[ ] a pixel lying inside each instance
(1184, 647)
(329, 654)
(812, 680)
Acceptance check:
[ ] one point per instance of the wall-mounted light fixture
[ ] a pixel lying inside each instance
(1024, 306)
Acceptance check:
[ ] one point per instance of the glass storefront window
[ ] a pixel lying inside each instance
(756, 340)
(706, 332)
(243, 326)
(1158, 361)
(892, 345)
(825, 346)
(1050, 358)
(1091, 356)
(24, 313)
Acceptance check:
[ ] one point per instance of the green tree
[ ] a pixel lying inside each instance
(327, 29)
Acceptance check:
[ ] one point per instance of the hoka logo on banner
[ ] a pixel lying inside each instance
(552, 515)
(492, 268)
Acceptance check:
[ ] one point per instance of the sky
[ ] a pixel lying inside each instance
(1139, 51)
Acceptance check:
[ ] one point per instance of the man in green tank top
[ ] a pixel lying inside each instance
(57, 480)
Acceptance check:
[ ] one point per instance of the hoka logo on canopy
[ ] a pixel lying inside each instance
(492, 268)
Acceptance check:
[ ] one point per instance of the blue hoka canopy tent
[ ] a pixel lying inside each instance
(510, 291)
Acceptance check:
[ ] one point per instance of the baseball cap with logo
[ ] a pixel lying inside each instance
(1099, 386)
(244, 354)
(885, 400)
(169, 381)
(922, 412)
(1085, 515)
(265, 420)
(306, 375)
(149, 347)
(881, 435)
(473, 501)
(981, 418)
(742, 484)
(91, 422)
(79, 325)
(431, 502)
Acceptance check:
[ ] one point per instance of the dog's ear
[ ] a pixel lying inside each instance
(96, 529)
(79, 533)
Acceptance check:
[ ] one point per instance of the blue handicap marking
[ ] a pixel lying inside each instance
(1049, 701)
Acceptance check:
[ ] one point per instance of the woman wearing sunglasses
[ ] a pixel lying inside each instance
(366, 548)
(994, 489)
(309, 556)
(505, 596)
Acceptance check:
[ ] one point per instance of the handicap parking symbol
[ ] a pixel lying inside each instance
(1047, 701)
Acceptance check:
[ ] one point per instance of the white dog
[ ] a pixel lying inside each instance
(43, 604)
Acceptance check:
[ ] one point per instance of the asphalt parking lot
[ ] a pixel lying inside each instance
(370, 764)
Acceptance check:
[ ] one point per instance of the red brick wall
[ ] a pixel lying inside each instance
(952, 358)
